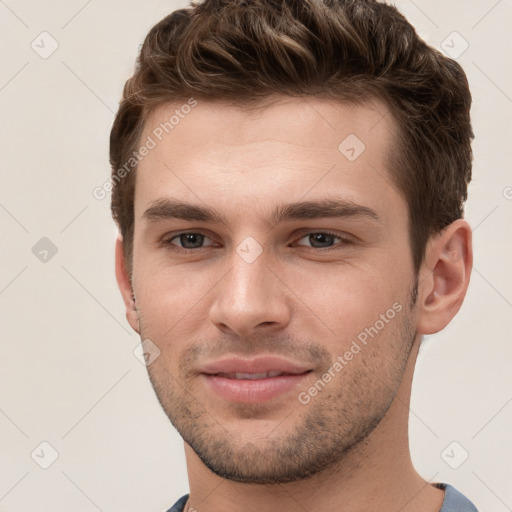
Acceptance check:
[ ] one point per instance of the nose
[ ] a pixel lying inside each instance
(251, 298)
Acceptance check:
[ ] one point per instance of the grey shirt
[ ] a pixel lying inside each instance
(454, 501)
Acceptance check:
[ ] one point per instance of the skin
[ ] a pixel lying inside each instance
(302, 299)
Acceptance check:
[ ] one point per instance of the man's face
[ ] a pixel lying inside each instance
(302, 286)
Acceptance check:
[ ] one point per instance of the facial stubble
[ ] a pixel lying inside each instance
(307, 439)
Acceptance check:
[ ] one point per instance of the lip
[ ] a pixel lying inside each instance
(253, 391)
(256, 365)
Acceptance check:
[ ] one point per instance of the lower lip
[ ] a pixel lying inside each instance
(253, 391)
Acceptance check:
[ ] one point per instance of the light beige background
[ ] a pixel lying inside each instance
(68, 375)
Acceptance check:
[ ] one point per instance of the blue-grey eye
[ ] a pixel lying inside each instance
(191, 240)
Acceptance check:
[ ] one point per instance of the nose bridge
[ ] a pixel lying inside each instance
(249, 296)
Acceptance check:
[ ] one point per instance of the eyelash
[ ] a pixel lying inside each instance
(169, 245)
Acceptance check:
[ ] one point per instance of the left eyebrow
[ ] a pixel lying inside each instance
(321, 209)
(169, 208)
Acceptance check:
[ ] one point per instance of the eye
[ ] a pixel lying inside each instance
(186, 241)
(192, 241)
(324, 239)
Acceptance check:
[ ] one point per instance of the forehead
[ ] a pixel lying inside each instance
(223, 154)
(199, 122)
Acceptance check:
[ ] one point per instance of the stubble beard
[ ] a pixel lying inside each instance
(320, 436)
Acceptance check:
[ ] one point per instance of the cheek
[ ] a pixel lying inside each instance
(171, 299)
(341, 302)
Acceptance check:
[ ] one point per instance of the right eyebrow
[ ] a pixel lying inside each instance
(167, 208)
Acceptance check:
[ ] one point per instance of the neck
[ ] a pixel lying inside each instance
(376, 474)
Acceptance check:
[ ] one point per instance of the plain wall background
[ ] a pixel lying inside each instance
(68, 374)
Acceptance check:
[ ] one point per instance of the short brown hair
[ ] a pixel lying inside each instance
(243, 52)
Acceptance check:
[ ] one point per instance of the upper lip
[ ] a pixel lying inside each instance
(255, 365)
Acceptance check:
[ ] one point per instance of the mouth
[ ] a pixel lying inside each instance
(255, 376)
(254, 381)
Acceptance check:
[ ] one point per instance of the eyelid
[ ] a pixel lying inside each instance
(345, 240)
(166, 241)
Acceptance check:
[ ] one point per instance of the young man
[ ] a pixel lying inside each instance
(288, 182)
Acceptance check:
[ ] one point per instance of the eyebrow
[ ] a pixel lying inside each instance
(169, 208)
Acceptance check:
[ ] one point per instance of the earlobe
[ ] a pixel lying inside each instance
(444, 278)
(125, 286)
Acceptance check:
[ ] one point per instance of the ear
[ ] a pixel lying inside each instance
(125, 286)
(444, 277)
